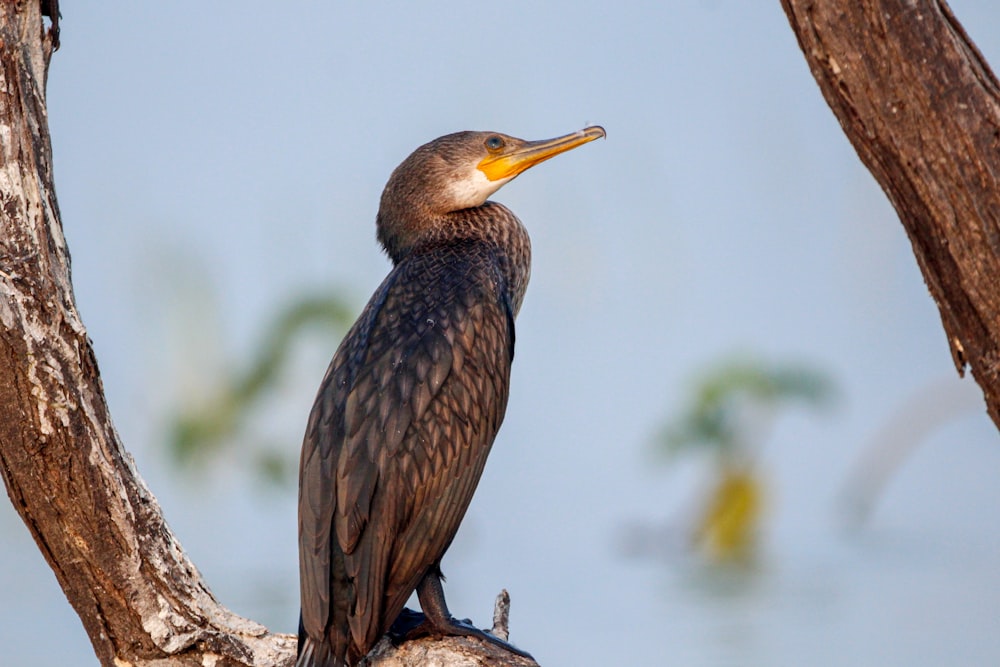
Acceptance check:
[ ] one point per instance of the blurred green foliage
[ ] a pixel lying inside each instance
(729, 414)
(732, 397)
(199, 432)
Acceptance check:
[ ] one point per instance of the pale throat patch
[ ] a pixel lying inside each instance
(473, 189)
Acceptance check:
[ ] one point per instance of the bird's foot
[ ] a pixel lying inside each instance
(413, 625)
(405, 625)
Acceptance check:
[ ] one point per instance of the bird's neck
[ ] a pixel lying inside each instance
(491, 223)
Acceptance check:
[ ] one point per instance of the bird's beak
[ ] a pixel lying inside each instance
(509, 163)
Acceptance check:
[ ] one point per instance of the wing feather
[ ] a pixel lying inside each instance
(400, 433)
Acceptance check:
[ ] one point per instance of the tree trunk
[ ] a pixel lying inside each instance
(101, 530)
(142, 602)
(922, 109)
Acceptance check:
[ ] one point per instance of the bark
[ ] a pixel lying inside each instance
(922, 109)
(100, 529)
(141, 601)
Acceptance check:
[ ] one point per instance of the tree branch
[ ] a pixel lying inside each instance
(922, 109)
(142, 602)
(100, 529)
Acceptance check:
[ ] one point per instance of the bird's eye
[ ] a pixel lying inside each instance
(494, 143)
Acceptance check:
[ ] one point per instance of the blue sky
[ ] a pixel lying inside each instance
(213, 158)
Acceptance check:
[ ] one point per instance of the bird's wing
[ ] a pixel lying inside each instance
(448, 446)
(407, 414)
(321, 450)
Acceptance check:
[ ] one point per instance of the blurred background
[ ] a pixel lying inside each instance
(735, 435)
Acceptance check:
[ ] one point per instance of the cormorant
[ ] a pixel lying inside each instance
(410, 405)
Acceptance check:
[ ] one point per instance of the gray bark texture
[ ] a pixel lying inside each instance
(922, 109)
(912, 93)
(141, 601)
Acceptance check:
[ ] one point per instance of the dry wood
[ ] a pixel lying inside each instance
(141, 601)
(912, 93)
(922, 109)
(68, 476)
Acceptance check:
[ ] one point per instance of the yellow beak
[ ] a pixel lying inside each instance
(508, 164)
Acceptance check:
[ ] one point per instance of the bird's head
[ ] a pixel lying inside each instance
(455, 172)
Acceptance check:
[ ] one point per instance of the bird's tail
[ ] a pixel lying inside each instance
(313, 653)
(316, 652)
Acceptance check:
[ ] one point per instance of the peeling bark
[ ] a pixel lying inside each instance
(922, 109)
(141, 600)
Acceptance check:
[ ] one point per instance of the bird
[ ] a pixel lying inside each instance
(409, 407)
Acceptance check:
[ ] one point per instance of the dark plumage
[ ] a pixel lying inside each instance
(408, 410)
